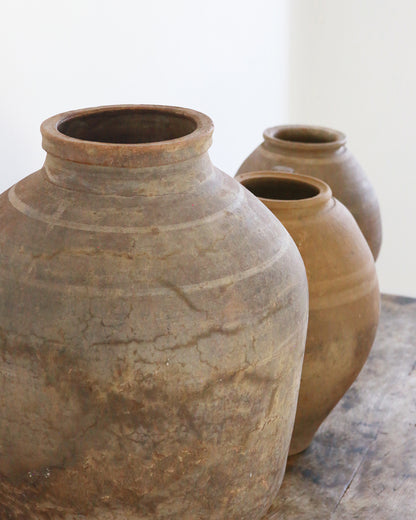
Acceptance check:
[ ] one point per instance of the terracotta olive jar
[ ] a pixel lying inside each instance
(343, 290)
(153, 317)
(322, 153)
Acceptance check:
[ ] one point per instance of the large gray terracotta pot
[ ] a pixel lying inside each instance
(152, 325)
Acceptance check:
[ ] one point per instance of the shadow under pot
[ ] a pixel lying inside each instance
(343, 290)
(149, 363)
(322, 153)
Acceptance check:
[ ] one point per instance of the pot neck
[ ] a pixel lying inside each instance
(304, 139)
(128, 149)
(288, 195)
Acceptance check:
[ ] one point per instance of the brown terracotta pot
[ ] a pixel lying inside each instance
(322, 153)
(152, 318)
(343, 290)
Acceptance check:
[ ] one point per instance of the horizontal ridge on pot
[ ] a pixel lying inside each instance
(152, 323)
(343, 290)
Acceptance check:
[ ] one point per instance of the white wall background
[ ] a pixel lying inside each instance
(227, 59)
(353, 67)
(348, 64)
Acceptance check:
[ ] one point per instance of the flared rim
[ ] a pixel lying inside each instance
(304, 137)
(311, 191)
(57, 140)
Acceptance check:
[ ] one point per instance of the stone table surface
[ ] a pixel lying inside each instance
(362, 462)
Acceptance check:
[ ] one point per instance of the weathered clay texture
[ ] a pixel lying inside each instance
(343, 290)
(152, 324)
(322, 153)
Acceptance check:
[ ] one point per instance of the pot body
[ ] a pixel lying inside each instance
(153, 317)
(343, 295)
(322, 153)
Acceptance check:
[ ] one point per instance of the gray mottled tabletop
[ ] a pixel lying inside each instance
(362, 462)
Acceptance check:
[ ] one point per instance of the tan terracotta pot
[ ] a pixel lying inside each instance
(343, 290)
(322, 153)
(152, 317)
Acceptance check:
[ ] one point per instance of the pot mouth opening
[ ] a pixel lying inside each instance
(128, 136)
(278, 188)
(305, 137)
(127, 126)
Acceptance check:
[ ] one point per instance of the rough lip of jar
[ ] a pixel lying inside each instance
(127, 135)
(282, 190)
(304, 137)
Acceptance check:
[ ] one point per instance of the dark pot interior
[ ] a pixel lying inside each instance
(128, 126)
(306, 135)
(280, 189)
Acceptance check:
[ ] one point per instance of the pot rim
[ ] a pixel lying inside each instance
(152, 153)
(322, 197)
(322, 138)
